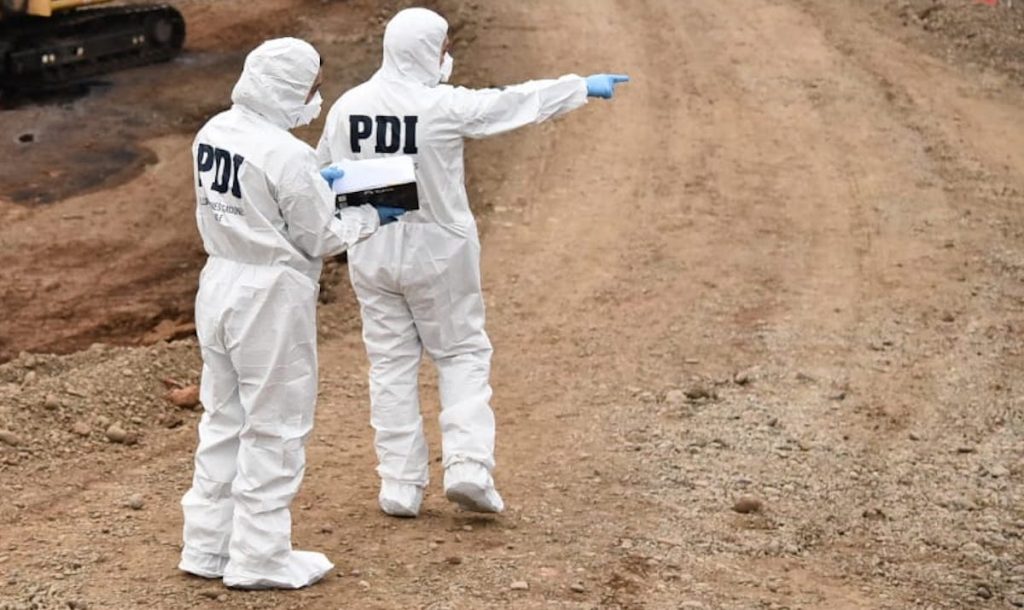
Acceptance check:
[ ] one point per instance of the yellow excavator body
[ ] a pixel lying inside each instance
(46, 44)
(45, 8)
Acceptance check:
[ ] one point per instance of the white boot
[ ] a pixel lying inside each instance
(300, 569)
(400, 499)
(469, 485)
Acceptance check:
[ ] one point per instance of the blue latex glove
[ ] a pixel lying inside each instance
(331, 174)
(389, 215)
(603, 85)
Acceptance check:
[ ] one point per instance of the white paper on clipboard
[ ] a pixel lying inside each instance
(388, 181)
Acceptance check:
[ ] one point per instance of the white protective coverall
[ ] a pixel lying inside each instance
(266, 217)
(418, 280)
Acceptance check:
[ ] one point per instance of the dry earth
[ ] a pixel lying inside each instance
(783, 267)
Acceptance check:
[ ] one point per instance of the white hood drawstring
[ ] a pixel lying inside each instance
(447, 66)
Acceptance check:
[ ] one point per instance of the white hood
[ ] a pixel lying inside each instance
(412, 46)
(276, 80)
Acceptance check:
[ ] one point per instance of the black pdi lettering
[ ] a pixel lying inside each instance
(225, 167)
(390, 133)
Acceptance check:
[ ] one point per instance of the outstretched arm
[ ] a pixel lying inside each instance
(486, 112)
(480, 113)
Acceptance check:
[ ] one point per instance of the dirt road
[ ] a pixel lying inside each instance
(783, 265)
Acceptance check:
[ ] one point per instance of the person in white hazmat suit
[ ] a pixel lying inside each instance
(266, 216)
(418, 281)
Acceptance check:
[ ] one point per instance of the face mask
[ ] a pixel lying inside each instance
(447, 65)
(311, 111)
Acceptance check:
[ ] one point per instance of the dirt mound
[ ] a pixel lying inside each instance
(58, 408)
(990, 36)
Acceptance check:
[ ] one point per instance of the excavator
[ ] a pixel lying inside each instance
(49, 44)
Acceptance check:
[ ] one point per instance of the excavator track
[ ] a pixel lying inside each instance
(50, 53)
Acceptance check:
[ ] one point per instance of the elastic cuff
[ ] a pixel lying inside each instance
(372, 217)
(459, 458)
(206, 565)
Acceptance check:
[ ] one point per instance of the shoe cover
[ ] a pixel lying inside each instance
(302, 569)
(469, 485)
(202, 564)
(400, 499)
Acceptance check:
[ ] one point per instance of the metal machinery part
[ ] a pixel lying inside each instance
(72, 45)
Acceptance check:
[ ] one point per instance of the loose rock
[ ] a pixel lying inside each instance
(577, 587)
(874, 514)
(675, 397)
(698, 391)
(746, 505)
(520, 585)
(135, 502)
(52, 402)
(186, 397)
(9, 438)
(997, 471)
(117, 434)
(81, 428)
(171, 420)
(744, 377)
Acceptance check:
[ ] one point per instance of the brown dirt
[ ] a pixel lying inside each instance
(784, 265)
(95, 228)
(978, 36)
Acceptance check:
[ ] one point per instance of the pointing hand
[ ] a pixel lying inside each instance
(603, 85)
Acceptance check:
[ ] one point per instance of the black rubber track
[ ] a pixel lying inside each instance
(162, 25)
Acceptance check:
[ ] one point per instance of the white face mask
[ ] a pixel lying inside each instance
(447, 65)
(311, 111)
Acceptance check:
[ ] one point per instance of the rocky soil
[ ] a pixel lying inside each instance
(758, 328)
